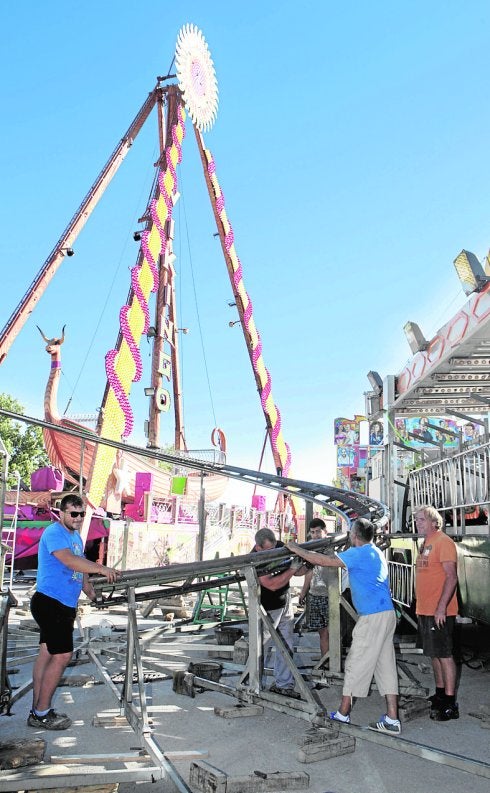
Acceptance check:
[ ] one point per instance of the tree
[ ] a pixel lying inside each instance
(23, 443)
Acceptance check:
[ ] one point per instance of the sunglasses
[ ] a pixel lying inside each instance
(76, 514)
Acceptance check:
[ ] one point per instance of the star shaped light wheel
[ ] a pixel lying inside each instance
(197, 78)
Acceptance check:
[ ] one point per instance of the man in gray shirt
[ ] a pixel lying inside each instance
(315, 592)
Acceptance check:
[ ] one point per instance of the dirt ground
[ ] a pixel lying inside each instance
(267, 742)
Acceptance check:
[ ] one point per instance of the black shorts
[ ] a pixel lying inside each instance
(435, 642)
(55, 622)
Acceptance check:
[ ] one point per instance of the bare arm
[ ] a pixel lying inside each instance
(82, 565)
(448, 591)
(313, 557)
(88, 587)
(306, 586)
(274, 582)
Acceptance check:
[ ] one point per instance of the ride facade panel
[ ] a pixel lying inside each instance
(436, 449)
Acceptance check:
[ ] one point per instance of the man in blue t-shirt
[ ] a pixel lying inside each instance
(61, 575)
(372, 651)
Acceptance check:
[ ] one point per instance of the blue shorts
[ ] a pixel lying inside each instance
(55, 622)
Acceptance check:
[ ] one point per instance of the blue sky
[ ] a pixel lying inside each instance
(351, 146)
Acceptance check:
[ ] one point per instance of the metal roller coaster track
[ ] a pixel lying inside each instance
(345, 503)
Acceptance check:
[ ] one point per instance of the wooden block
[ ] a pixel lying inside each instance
(319, 735)
(413, 708)
(207, 778)
(238, 711)
(313, 752)
(240, 651)
(17, 754)
(221, 652)
(183, 683)
(260, 782)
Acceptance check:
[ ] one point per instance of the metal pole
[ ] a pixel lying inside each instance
(202, 515)
(82, 461)
(14, 530)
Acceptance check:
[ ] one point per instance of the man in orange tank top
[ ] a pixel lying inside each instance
(437, 607)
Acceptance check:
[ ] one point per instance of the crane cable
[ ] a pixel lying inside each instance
(196, 304)
(111, 286)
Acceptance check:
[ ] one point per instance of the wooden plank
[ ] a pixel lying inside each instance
(112, 787)
(128, 757)
(53, 778)
(102, 721)
(99, 759)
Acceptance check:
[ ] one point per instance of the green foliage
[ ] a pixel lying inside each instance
(23, 443)
(169, 449)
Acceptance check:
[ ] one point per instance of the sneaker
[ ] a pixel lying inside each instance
(334, 716)
(285, 692)
(445, 713)
(384, 726)
(51, 721)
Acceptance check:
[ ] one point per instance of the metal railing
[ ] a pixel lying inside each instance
(215, 456)
(402, 579)
(459, 481)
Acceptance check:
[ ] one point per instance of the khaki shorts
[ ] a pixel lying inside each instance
(372, 653)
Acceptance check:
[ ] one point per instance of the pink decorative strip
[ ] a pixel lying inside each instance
(133, 347)
(256, 343)
(138, 295)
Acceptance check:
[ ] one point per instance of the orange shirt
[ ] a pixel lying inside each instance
(431, 576)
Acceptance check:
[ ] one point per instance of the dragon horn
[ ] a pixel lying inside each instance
(62, 334)
(42, 334)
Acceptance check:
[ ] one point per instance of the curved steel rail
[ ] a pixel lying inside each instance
(346, 503)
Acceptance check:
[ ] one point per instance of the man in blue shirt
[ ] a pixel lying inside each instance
(62, 574)
(372, 651)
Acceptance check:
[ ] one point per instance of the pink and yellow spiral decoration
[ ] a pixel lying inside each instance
(280, 449)
(123, 366)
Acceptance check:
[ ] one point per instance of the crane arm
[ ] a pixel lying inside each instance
(71, 232)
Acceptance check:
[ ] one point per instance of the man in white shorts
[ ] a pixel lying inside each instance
(372, 651)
